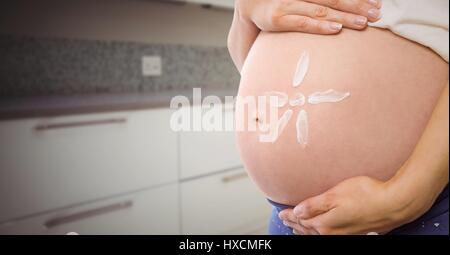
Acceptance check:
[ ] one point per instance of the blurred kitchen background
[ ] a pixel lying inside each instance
(85, 141)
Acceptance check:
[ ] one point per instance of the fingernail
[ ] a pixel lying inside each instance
(374, 2)
(336, 26)
(374, 13)
(285, 223)
(361, 21)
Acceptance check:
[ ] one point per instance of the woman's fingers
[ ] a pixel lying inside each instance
(307, 25)
(348, 20)
(366, 8)
(298, 229)
(314, 206)
(320, 12)
(310, 16)
(287, 215)
(290, 220)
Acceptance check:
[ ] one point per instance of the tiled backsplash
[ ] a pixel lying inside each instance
(44, 66)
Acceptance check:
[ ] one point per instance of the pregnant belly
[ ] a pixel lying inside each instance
(394, 86)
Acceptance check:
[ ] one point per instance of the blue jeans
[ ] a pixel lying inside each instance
(434, 222)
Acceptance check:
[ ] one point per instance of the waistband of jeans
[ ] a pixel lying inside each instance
(279, 207)
(443, 195)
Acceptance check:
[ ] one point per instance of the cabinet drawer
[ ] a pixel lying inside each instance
(50, 163)
(206, 152)
(231, 205)
(153, 211)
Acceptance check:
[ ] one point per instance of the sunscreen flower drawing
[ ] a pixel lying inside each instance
(280, 99)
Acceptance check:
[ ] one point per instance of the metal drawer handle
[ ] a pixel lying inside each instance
(235, 177)
(87, 214)
(45, 127)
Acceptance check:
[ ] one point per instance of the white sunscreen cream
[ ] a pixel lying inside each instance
(298, 100)
(301, 70)
(277, 129)
(302, 128)
(329, 96)
(281, 98)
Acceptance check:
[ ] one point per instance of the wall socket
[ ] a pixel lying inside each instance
(151, 66)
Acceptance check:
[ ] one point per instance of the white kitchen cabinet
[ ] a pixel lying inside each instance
(124, 173)
(227, 203)
(208, 152)
(153, 211)
(49, 163)
(213, 152)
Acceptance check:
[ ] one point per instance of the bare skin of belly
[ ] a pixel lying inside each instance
(394, 85)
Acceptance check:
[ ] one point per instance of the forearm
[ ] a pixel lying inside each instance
(242, 35)
(423, 177)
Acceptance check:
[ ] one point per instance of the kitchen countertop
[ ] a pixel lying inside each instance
(50, 106)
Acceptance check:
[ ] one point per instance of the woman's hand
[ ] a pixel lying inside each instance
(356, 206)
(362, 205)
(310, 16)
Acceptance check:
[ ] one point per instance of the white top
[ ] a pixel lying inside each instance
(422, 21)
